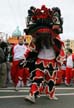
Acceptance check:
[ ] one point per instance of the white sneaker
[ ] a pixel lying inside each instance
(53, 98)
(30, 98)
(38, 96)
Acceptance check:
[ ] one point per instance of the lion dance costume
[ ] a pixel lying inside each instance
(44, 25)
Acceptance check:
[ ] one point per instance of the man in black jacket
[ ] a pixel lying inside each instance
(3, 61)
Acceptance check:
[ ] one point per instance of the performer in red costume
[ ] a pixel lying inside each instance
(44, 25)
(19, 52)
(69, 67)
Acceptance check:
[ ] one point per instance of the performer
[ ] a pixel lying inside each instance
(69, 66)
(44, 25)
(19, 52)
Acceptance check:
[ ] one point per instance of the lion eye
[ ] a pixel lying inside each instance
(56, 20)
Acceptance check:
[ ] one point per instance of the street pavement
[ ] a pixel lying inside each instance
(12, 98)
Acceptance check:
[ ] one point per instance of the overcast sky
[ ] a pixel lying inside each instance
(14, 12)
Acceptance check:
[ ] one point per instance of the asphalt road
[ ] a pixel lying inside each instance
(10, 98)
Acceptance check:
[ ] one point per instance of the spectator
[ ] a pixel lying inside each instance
(4, 46)
(2, 69)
